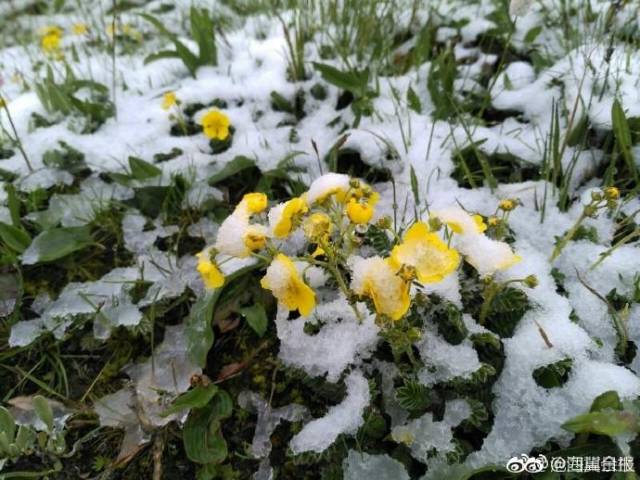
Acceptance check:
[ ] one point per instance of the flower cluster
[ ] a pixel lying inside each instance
(328, 224)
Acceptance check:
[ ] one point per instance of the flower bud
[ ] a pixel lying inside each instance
(435, 224)
(531, 281)
(611, 193)
(507, 204)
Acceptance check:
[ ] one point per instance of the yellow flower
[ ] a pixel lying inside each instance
(169, 99)
(255, 202)
(318, 226)
(51, 30)
(507, 204)
(612, 193)
(215, 125)
(493, 221)
(211, 274)
(50, 43)
(255, 238)
(110, 30)
(376, 278)
(358, 212)
(479, 223)
(79, 28)
(427, 253)
(282, 217)
(284, 281)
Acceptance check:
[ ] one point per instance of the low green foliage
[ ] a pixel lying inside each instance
(202, 32)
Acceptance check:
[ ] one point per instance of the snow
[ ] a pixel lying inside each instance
(344, 418)
(585, 75)
(424, 434)
(268, 419)
(326, 185)
(342, 341)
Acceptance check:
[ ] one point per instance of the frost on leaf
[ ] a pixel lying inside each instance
(156, 383)
(268, 420)
(362, 466)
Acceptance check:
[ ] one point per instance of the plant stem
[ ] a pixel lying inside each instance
(567, 237)
(16, 138)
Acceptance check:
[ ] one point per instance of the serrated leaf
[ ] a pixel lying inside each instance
(197, 397)
(413, 396)
(141, 170)
(15, 238)
(56, 243)
(256, 317)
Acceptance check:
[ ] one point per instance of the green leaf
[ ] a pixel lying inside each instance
(160, 56)
(606, 400)
(532, 34)
(622, 132)
(414, 186)
(355, 81)
(256, 318)
(604, 423)
(7, 424)
(236, 165)
(141, 170)
(199, 331)
(203, 33)
(56, 243)
(43, 410)
(197, 397)
(414, 101)
(203, 441)
(16, 239)
(25, 437)
(13, 202)
(553, 375)
(413, 396)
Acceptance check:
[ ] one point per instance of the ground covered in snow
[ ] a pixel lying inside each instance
(506, 133)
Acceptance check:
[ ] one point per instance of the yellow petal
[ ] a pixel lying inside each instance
(256, 202)
(209, 271)
(359, 213)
